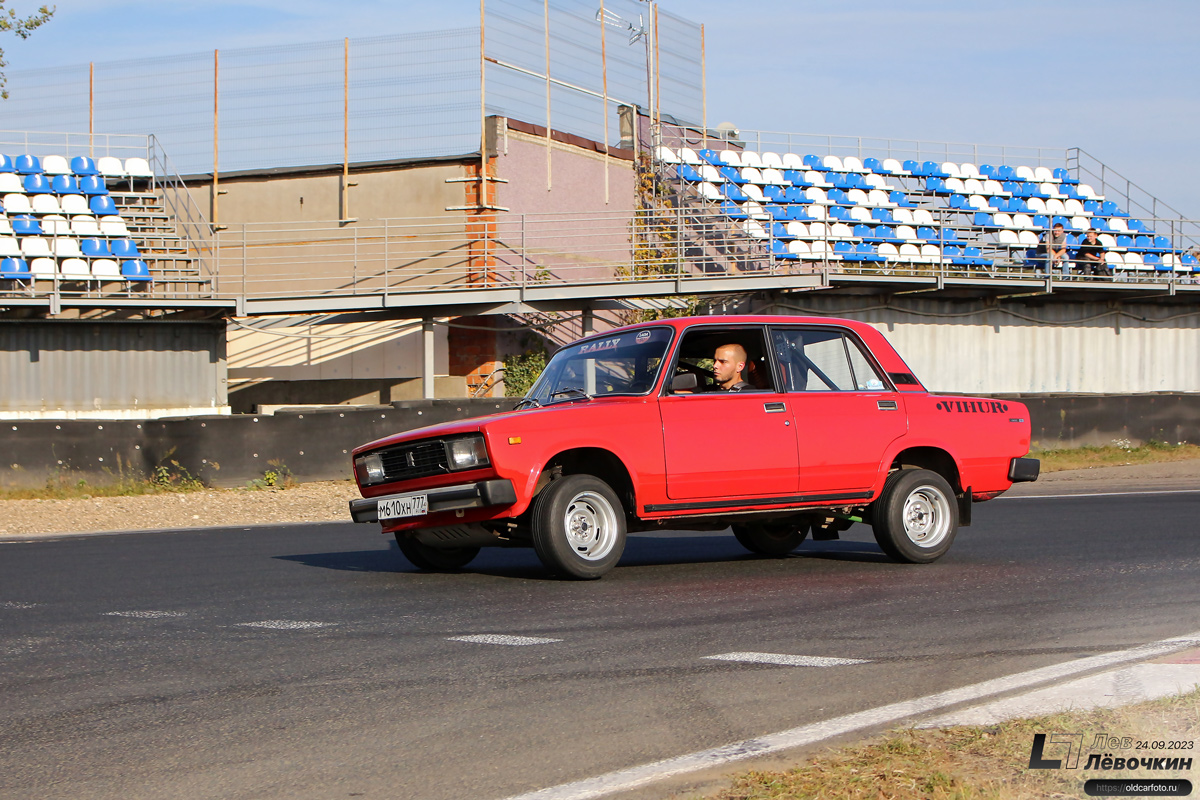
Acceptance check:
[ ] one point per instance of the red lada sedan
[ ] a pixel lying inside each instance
(776, 427)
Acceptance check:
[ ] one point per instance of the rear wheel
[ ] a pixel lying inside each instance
(435, 559)
(770, 539)
(916, 516)
(578, 527)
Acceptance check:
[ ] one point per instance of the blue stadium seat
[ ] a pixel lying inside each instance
(845, 250)
(876, 166)
(988, 171)
(775, 193)
(1154, 260)
(901, 199)
(799, 213)
(998, 203)
(731, 174)
(913, 167)
(983, 219)
(1127, 241)
(27, 165)
(1162, 243)
(1189, 260)
(864, 231)
(882, 214)
(712, 157)
(1041, 221)
(14, 269)
(6, 164)
(688, 173)
(867, 252)
(779, 231)
(1137, 226)
(936, 185)
(778, 212)
(779, 249)
(885, 233)
(933, 169)
(950, 235)
(96, 248)
(1006, 173)
(1109, 209)
(814, 162)
(836, 179)
(1072, 240)
(975, 257)
(36, 183)
(102, 205)
(135, 270)
(92, 185)
(82, 165)
(64, 184)
(796, 178)
(1063, 175)
(124, 248)
(26, 225)
(795, 194)
(840, 214)
(733, 210)
(927, 233)
(1100, 224)
(959, 203)
(839, 197)
(1091, 206)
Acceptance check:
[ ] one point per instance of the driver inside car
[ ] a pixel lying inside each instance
(729, 364)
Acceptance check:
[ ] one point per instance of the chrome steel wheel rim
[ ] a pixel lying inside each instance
(591, 526)
(926, 516)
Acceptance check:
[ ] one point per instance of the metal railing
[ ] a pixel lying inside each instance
(191, 225)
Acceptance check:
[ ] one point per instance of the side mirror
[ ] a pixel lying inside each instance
(686, 382)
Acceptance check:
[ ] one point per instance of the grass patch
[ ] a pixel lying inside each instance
(168, 478)
(968, 763)
(1121, 452)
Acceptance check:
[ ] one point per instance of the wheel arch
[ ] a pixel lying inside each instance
(930, 457)
(596, 461)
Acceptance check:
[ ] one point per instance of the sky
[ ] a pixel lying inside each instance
(1119, 80)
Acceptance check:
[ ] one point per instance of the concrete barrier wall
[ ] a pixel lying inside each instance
(315, 445)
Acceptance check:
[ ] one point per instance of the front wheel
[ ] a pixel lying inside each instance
(768, 539)
(435, 559)
(916, 516)
(578, 527)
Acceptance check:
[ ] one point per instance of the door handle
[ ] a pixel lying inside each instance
(774, 408)
(888, 405)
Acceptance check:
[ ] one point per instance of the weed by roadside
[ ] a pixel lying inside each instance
(277, 476)
(1120, 452)
(971, 763)
(169, 477)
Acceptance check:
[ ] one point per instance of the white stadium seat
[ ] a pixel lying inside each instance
(110, 167)
(55, 165)
(17, 204)
(138, 168)
(74, 269)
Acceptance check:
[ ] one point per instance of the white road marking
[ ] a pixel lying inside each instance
(1093, 494)
(1133, 684)
(633, 777)
(145, 614)
(787, 660)
(496, 638)
(17, 604)
(285, 624)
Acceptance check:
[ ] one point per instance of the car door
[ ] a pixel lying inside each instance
(724, 445)
(844, 411)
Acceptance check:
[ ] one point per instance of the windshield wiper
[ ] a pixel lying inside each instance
(531, 401)
(575, 390)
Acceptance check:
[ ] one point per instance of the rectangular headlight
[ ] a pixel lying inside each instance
(468, 452)
(369, 468)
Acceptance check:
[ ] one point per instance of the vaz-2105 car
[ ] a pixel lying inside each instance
(775, 426)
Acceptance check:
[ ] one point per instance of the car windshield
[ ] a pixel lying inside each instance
(624, 363)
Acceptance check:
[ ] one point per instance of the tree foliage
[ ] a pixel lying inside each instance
(21, 26)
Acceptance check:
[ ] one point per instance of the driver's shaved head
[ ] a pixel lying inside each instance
(728, 363)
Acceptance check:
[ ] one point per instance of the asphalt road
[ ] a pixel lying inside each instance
(313, 662)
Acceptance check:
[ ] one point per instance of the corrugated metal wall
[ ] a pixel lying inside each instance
(1010, 347)
(82, 366)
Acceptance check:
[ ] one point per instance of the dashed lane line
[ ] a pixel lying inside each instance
(634, 777)
(18, 605)
(782, 659)
(496, 638)
(286, 624)
(146, 614)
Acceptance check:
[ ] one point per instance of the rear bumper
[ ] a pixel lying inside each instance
(1024, 469)
(477, 494)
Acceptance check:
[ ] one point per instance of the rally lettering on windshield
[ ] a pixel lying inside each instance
(603, 344)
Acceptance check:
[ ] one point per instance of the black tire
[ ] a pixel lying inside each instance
(916, 516)
(435, 559)
(770, 539)
(578, 527)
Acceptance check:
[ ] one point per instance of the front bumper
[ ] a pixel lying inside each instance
(1024, 469)
(477, 494)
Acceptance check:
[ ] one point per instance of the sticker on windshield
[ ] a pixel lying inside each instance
(642, 337)
(603, 344)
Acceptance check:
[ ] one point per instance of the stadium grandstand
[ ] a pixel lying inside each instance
(378, 219)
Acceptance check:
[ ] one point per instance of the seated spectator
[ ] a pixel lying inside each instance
(1089, 257)
(1056, 249)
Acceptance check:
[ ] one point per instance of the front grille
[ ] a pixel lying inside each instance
(414, 460)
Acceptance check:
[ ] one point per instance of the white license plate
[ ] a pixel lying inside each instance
(415, 505)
